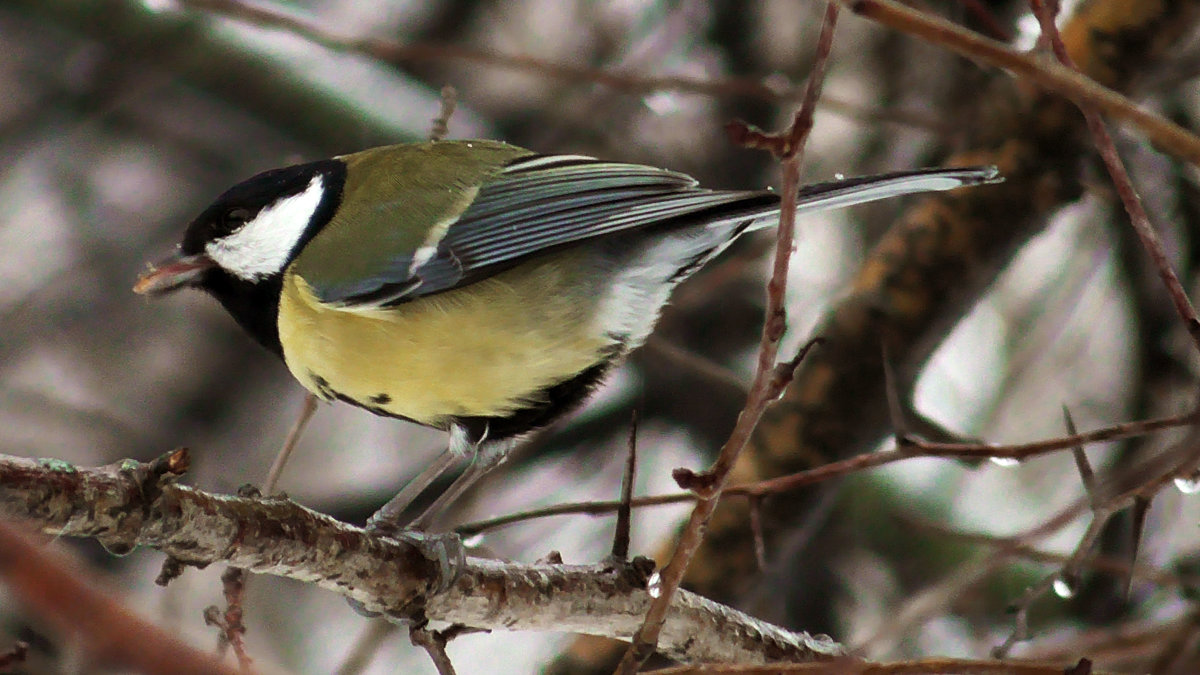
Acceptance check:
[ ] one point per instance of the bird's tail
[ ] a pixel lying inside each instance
(841, 193)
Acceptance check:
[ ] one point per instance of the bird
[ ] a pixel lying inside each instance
(472, 286)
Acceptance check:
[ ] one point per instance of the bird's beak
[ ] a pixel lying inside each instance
(173, 273)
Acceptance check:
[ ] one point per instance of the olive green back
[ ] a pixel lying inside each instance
(394, 198)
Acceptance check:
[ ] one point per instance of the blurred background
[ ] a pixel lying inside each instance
(121, 119)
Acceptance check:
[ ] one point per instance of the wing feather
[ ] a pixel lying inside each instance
(535, 205)
(540, 203)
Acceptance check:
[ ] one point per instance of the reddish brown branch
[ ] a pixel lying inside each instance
(765, 388)
(56, 591)
(233, 627)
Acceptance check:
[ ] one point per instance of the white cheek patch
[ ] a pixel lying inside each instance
(262, 246)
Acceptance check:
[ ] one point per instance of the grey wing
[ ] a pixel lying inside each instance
(539, 203)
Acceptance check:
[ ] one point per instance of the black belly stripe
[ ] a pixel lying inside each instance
(552, 402)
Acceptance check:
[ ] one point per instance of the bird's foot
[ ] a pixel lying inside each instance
(445, 549)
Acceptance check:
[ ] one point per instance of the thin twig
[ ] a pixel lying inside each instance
(1086, 473)
(1166, 136)
(697, 363)
(855, 666)
(709, 485)
(756, 531)
(397, 54)
(1138, 513)
(1166, 579)
(1120, 177)
(435, 646)
(913, 449)
(895, 405)
(1020, 610)
(620, 547)
(233, 586)
(441, 124)
(234, 580)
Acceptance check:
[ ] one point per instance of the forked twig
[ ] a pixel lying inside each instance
(788, 146)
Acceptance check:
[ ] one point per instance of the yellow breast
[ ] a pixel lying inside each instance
(487, 349)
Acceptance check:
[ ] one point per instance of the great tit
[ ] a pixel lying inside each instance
(471, 286)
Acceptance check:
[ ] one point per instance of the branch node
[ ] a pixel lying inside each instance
(172, 569)
(703, 484)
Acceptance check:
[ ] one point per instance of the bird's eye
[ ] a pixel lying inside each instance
(236, 217)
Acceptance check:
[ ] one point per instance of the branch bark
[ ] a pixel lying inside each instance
(132, 504)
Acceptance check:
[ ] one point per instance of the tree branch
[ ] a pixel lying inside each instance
(132, 504)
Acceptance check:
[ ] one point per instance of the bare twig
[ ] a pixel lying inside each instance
(435, 646)
(788, 146)
(233, 629)
(1139, 511)
(697, 363)
(1086, 474)
(913, 448)
(441, 123)
(918, 448)
(1120, 177)
(855, 666)
(620, 547)
(235, 580)
(1165, 135)
(756, 529)
(1162, 578)
(398, 54)
(895, 405)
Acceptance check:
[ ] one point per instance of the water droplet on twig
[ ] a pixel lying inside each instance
(654, 585)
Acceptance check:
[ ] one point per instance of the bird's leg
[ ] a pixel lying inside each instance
(289, 444)
(388, 517)
(444, 549)
(488, 455)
